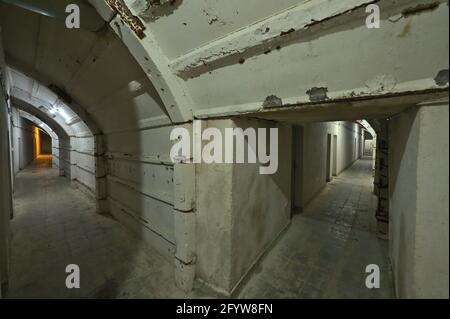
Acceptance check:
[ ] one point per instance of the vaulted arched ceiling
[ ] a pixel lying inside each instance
(161, 62)
(25, 90)
(225, 57)
(92, 73)
(42, 125)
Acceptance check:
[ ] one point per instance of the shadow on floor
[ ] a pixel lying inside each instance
(323, 254)
(56, 225)
(325, 250)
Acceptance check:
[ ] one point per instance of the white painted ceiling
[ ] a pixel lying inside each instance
(207, 58)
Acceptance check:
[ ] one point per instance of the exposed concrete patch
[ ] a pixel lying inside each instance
(272, 101)
(290, 25)
(283, 33)
(317, 94)
(441, 78)
(212, 18)
(151, 10)
(382, 82)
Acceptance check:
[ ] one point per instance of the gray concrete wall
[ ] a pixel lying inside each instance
(46, 143)
(5, 190)
(312, 161)
(214, 186)
(23, 137)
(82, 161)
(419, 202)
(368, 148)
(140, 183)
(261, 204)
(76, 160)
(5, 178)
(240, 212)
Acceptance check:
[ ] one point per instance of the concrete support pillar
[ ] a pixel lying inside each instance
(419, 201)
(374, 154)
(101, 192)
(184, 222)
(381, 179)
(240, 212)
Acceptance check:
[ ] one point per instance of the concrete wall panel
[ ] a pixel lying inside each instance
(418, 202)
(312, 161)
(154, 214)
(151, 179)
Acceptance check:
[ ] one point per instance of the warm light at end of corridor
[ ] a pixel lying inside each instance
(38, 141)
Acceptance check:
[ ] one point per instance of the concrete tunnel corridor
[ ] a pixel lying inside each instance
(246, 149)
(323, 252)
(56, 225)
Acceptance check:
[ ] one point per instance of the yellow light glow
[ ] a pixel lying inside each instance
(38, 141)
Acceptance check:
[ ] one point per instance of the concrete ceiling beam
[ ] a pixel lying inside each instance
(41, 124)
(262, 37)
(155, 64)
(42, 116)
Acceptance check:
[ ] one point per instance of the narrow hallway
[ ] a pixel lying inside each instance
(56, 225)
(325, 250)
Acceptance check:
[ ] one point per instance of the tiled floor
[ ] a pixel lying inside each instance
(322, 254)
(55, 225)
(325, 251)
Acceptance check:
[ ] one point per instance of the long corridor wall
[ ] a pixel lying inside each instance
(311, 155)
(23, 141)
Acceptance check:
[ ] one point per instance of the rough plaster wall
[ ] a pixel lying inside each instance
(314, 161)
(261, 204)
(55, 153)
(23, 131)
(64, 157)
(214, 214)
(432, 241)
(140, 183)
(82, 161)
(208, 21)
(418, 188)
(239, 211)
(403, 142)
(330, 48)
